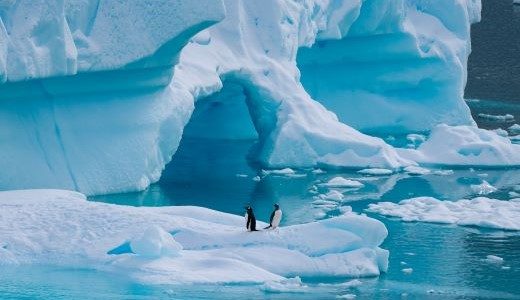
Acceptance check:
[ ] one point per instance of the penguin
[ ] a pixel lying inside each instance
(276, 217)
(250, 219)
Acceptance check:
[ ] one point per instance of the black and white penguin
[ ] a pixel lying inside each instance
(250, 219)
(276, 217)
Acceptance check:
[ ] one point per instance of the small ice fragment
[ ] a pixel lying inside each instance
(286, 171)
(340, 182)
(332, 195)
(289, 285)
(514, 129)
(483, 175)
(242, 175)
(415, 170)
(403, 263)
(409, 253)
(318, 171)
(506, 267)
(498, 118)
(483, 189)
(256, 178)
(407, 270)
(494, 259)
(443, 172)
(376, 171)
(346, 296)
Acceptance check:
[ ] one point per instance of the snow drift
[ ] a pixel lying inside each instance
(181, 244)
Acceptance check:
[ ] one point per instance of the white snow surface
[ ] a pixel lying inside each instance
(482, 212)
(181, 244)
(463, 146)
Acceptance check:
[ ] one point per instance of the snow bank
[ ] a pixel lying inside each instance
(181, 244)
(481, 212)
(464, 145)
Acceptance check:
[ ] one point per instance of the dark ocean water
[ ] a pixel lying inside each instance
(494, 64)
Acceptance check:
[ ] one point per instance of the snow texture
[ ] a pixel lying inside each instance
(181, 244)
(481, 212)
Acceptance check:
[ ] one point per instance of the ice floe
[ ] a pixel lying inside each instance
(376, 171)
(464, 146)
(483, 189)
(500, 118)
(514, 129)
(181, 244)
(340, 182)
(481, 212)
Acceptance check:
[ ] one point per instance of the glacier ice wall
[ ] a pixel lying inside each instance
(85, 104)
(406, 58)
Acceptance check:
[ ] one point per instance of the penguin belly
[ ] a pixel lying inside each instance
(277, 218)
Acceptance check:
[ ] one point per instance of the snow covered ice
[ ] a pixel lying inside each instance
(182, 244)
(481, 212)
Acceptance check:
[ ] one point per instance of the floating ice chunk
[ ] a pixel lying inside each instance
(483, 189)
(155, 242)
(346, 296)
(514, 129)
(257, 178)
(407, 270)
(415, 170)
(500, 118)
(242, 175)
(481, 212)
(289, 285)
(494, 259)
(443, 172)
(318, 171)
(500, 132)
(286, 171)
(340, 182)
(376, 171)
(332, 195)
(508, 267)
(464, 145)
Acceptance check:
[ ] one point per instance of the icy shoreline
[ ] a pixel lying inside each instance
(181, 244)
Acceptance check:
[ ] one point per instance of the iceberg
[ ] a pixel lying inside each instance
(182, 244)
(96, 96)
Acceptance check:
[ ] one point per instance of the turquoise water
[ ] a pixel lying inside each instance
(447, 261)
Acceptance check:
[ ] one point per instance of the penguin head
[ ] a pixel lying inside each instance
(276, 206)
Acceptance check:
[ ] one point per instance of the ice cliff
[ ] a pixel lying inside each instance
(96, 94)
